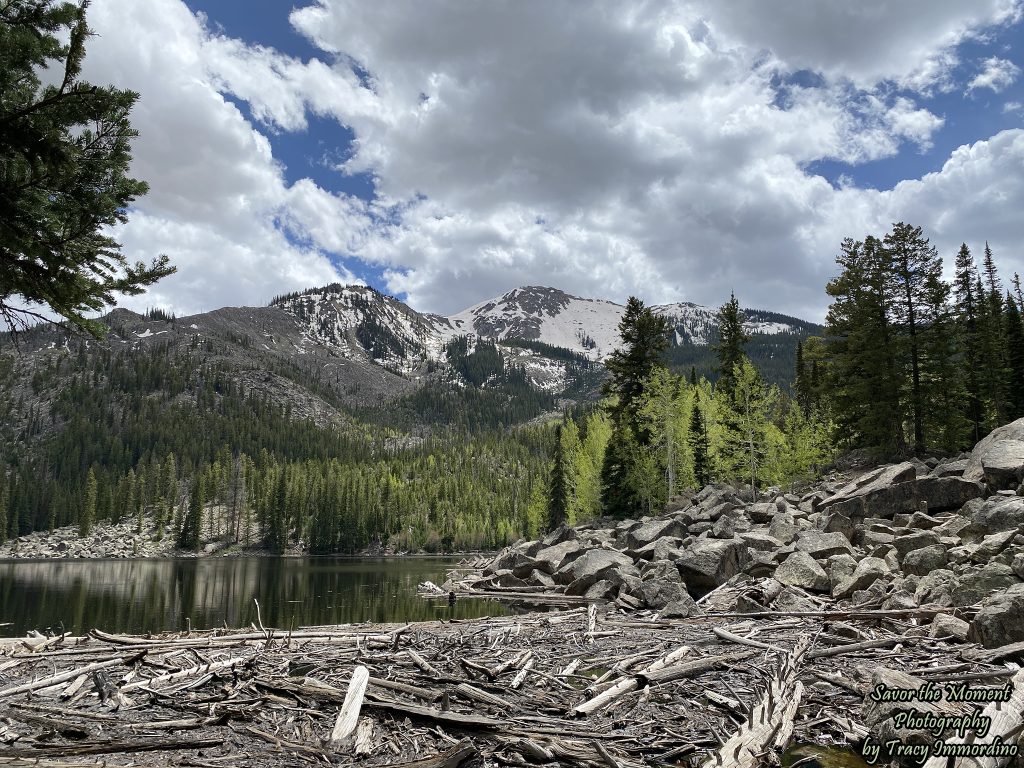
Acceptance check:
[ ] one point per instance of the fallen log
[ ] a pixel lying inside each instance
(348, 717)
(770, 724)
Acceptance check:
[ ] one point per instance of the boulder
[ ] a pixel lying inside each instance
(658, 593)
(998, 459)
(662, 549)
(992, 545)
(921, 562)
(871, 482)
(593, 566)
(841, 567)
(950, 468)
(802, 570)
(821, 545)
(709, 563)
(998, 514)
(561, 534)
(783, 527)
(760, 541)
(978, 583)
(912, 541)
(944, 625)
(1018, 565)
(867, 572)
(936, 588)
(1001, 619)
(600, 590)
(652, 531)
(552, 558)
(682, 608)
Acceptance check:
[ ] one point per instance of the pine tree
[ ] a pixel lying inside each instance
(1014, 335)
(87, 515)
(863, 350)
(731, 338)
(558, 493)
(802, 384)
(970, 340)
(699, 444)
(64, 157)
(190, 534)
(913, 263)
(645, 337)
(994, 347)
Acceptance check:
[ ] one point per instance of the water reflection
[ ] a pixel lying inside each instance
(159, 595)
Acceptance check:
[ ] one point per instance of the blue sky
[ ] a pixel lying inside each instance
(446, 153)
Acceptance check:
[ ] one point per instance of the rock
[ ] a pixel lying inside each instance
(551, 559)
(922, 521)
(651, 532)
(681, 608)
(935, 493)
(841, 567)
(944, 625)
(662, 549)
(661, 569)
(760, 541)
(821, 545)
(950, 468)
(923, 561)
(981, 582)
(998, 514)
(560, 535)
(540, 579)
(998, 459)
(600, 590)
(900, 600)
(936, 588)
(658, 593)
(1001, 619)
(1017, 566)
(790, 600)
(992, 545)
(910, 542)
(505, 578)
(838, 522)
(868, 570)
(595, 565)
(802, 570)
(783, 527)
(711, 562)
(870, 482)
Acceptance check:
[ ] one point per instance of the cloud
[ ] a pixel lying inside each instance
(218, 203)
(997, 75)
(664, 150)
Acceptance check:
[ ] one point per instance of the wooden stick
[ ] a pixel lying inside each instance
(348, 717)
(626, 685)
(364, 736)
(770, 724)
(63, 677)
(202, 669)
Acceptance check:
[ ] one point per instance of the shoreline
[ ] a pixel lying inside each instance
(589, 686)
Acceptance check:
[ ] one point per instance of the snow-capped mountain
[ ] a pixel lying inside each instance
(362, 322)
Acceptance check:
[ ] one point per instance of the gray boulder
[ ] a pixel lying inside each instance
(944, 625)
(978, 583)
(921, 562)
(910, 542)
(821, 545)
(552, 558)
(1001, 619)
(709, 563)
(783, 527)
(936, 588)
(652, 531)
(802, 570)
(595, 565)
(658, 593)
(682, 608)
(998, 459)
(867, 572)
(841, 567)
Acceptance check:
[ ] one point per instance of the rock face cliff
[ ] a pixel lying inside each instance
(947, 535)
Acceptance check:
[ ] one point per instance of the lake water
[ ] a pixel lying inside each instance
(160, 595)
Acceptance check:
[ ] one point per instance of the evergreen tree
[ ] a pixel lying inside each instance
(558, 493)
(1014, 335)
(802, 385)
(87, 515)
(863, 350)
(64, 158)
(748, 421)
(914, 262)
(190, 534)
(994, 373)
(731, 338)
(970, 339)
(645, 337)
(699, 445)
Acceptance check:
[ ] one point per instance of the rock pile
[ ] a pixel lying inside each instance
(107, 540)
(946, 534)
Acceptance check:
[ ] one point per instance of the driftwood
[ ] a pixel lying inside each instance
(1006, 721)
(770, 724)
(590, 688)
(348, 717)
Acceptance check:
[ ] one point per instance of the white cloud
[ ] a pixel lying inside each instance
(218, 203)
(997, 75)
(660, 150)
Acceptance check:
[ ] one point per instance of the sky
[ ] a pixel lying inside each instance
(446, 152)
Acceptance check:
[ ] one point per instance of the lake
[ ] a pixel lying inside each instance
(138, 596)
